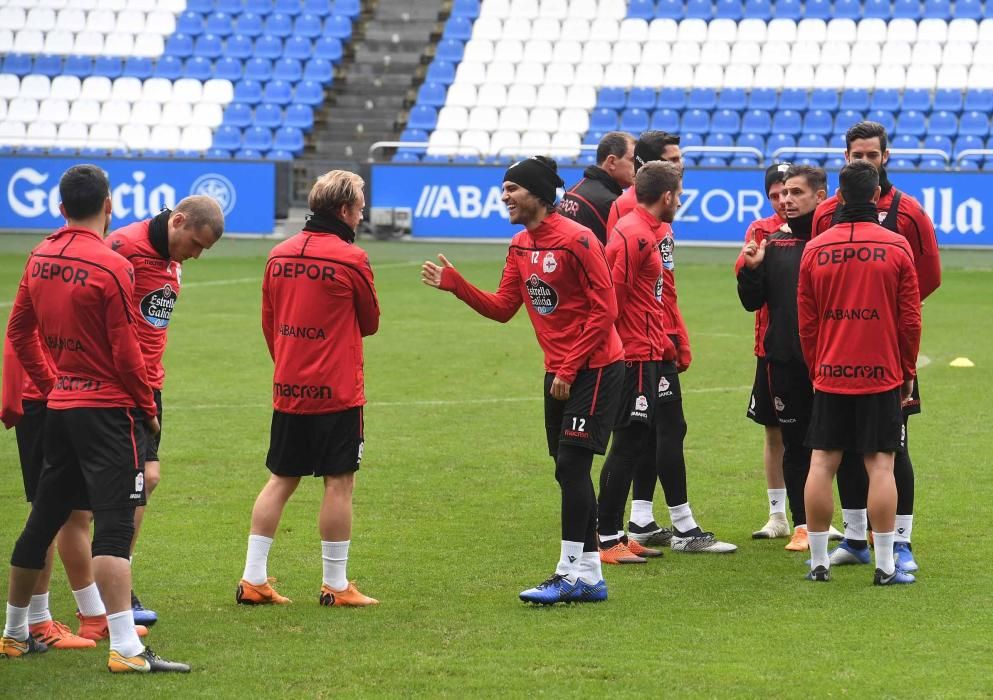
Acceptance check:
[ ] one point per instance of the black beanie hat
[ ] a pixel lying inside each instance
(538, 175)
(775, 173)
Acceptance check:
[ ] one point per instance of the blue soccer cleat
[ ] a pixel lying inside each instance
(557, 589)
(142, 616)
(845, 554)
(897, 577)
(589, 592)
(904, 557)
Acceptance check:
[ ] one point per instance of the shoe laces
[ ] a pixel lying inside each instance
(553, 580)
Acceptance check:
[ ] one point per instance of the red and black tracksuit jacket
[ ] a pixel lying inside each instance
(758, 232)
(588, 201)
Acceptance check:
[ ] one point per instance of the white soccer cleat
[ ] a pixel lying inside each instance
(701, 542)
(776, 527)
(835, 534)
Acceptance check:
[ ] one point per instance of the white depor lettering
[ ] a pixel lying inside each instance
(465, 202)
(127, 198)
(965, 218)
(718, 205)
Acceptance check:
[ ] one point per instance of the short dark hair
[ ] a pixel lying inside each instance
(655, 178)
(613, 143)
(83, 190)
(658, 140)
(857, 182)
(815, 177)
(866, 130)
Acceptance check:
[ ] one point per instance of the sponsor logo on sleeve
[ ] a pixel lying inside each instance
(667, 247)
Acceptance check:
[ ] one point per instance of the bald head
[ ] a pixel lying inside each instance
(194, 226)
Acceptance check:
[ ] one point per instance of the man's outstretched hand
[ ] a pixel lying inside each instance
(431, 273)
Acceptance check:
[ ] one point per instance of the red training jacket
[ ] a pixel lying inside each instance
(157, 280)
(667, 244)
(758, 231)
(912, 223)
(77, 297)
(859, 309)
(318, 302)
(17, 385)
(636, 269)
(561, 269)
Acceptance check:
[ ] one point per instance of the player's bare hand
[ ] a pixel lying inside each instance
(907, 390)
(560, 389)
(431, 272)
(153, 425)
(754, 253)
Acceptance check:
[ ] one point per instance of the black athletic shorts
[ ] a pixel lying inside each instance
(913, 406)
(318, 444)
(93, 457)
(792, 392)
(857, 422)
(589, 414)
(646, 384)
(30, 432)
(152, 447)
(760, 408)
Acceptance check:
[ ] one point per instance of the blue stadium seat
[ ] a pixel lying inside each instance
(298, 47)
(817, 9)
(641, 9)
(933, 164)
(947, 100)
(248, 154)
(267, 46)
(937, 9)
(168, 67)
(309, 92)
(238, 114)
(62, 151)
(108, 66)
(602, 119)
(413, 135)
(208, 46)
(405, 157)
(288, 69)
(942, 143)
(943, 124)
(847, 9)
(916, 100)
(886, 100)
(611, 98)
(702, 98)
(672, 98)
(719, 141)
(750, 141)
(299, 116)
(670, 9)
(855, 99)
(834, 163)
(876, 9)
(80, 66)
(695, 121)
(308, 26)
(347, 8)
(642, 98)
(231, 7)
(824, 99)
(259, 7)
(634, 120)
(699, 9)
(666, 120)
(436, 158)
(725, 121)
(248, 91)
(465, 8)
(250, 24)
(883, 117)
(762, 99)
(732, 98)
(592, 138)
(239, 46)
(818, 122)
(794, 99)
(287, 7)
(789, 9)
(217, 153)
(901, 164)
(811, 159)
(198, 68)
(758, 9)
(744, 161)
(712, 161)
(970, 163)
(979, 101)
(288, 138)
(189, 23)
(690, 159)
(431, 94)
(969, 9)
(338, 26)
(259, 69)
(909, 9)
(458, 28)
(179, 45)
(440, 72)
(837, 140)
(812, 141)
(277, 154)
(912, 123)
(756, 121)
(201, 6)
(586, 158)
(777, 141)
(904, 141)
(227, 137)
(318, 69)
(278, 24)
(138, 67)
(219, 23)
(49, 66)
(228, 68)
(277, 92)
(268, 116)
(257, 137)
(690, 139)
(787, 121)
(329, 49)
(729, 9)
(974, 124)
(317, 7)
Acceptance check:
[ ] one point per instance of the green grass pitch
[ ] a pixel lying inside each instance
(456, 511)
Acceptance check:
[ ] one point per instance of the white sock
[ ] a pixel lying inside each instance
(17, 623)
(89, 602)
(256, 559)
(589, 567)
(609, 538)
(855, 523)
(777, 501)
(570, 558)
(335, 558)
(884, 551)
(682, 517)
(123, 636)
(641, 513)
(904, 526)
(38, 611)
(818, 550)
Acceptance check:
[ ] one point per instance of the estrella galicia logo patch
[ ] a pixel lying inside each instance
(544, 298)
(666, 248)
(157, 306)
(658, 289)
(116, 244)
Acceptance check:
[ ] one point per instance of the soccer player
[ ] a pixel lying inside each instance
(769, 278)
(900, 213)
(650, 427)
(651, 146)
(78, 296)
(860, 328)
(588, 202)
(157, 248)
(760, 408)
(318, 302)
(558, 269)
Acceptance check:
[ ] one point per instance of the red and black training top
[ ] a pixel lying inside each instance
(859, 309)
(318, 302)
(77, 297)
(17, 385)
(588, 201)
(636, 269)
(560, 269)
(758, 231)
(674, 324)
(157, 280)
(910, 221)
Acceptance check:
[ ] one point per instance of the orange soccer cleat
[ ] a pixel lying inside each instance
(620, 554)
(349, 597)
(56, 635)
(640, 550)
(11, 648)
(799, 542)
(95, 627)
(261, 594)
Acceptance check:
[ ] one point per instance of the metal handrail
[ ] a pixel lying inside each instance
(893, 151)
(380, 145)
(973, 152)
(749, 150)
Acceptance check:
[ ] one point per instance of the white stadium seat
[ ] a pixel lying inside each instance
(748, 53)
(596, 52)
(538, 51)
(618, 76)
(580, 97)
(739, 75)
(985, 30)
(147, 113)
(500, 72)
(12, 18)
(576, 28)
(836, 53)
(543, 119)
(551, 95)
(177, 114)
(41, 133)
(567, 51)
(29, 41)
(505, 142)
(678, 75)
(722, 29)
(96, 87)
(649, 75)
(872, 29)
(663, 30)
(522, 96)
(901, 29)
(149, 45)
(957, 53)
(953, 77)
(11, 133)
(513, 119)
(156, 90)
(85, 111)
(454, 118)
(686, 52)
(574, 120)
(478, 50)
(461, 95)
(71, 19)
(921, 77)
(776, 53)
(933, 29)
(657, 52)
(37, 87)
(866, 54)
(565, 145)
(73, 134)
(605, 30)
(22, 109)
(489, 28)
(88, 43)
(484, 119)
(860, 77)
(136, 137)
(65, 87)
(160, 22)
(980, 78)
(187, 90)
(127, 89)
(751, 29)
(633, 30)
(769, 75)
(475, 142)
(471, 72)
(3, 109)
(104, 136)
(41, 19)
(6, 41)
(612, 9)
(165, 136)
(546, 28)
(716, 53)
(830, 76)
(708, 76)
(196, 138)
(101, 21)
(560, 74)
(535, 142)
(530, 74)
(59, 42)
(526, 9)
(782, 29)
(692, 30)
(517, 28)
(491, 95)
(443, 142)
(811, 30)
(494, 8)
(555, 9)
(841, 30)
(891, 77)
(586, 9)
(130, 22)
(896, 53)
(118, 44)
(112, 5)
(926, 53)
(209, 115)
(508, 50)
